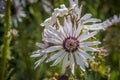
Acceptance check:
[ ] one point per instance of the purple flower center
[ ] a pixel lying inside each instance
(71, 44)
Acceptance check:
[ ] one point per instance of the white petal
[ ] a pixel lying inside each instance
(71, 2)
(90, 43)
(106, 24)
(115, 19)
(47, 22)
(86, 17)
(53, 30)
(55, 56)
(72, 64)
(79, 62)
(69, 22)
(40, 60)
(97, 26)
(69, 25)
(78, 29)
(83, 34)
(51, 49)
(80, 11)
(61, 29)
(85, 54)
(74, 29)
(92, 20)
(94, 27)
(64, 63)
(83, 59)
(52, 34)
(60, 11)
(63, 32)
(66, 27)
(76, 1)
(52, 40)
(82, 38)
(58, 59)
(41, 45)
(58, 23)
(63, 12)
(62, 6)
(37, 63)
(37, 53)
(89, 48)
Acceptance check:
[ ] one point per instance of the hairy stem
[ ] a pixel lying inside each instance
(6, 40)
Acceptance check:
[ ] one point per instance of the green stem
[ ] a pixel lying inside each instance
(6, 41)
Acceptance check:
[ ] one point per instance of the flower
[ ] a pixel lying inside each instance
(2, 7)
(115, 19)
(17, 12)
(67, 41)
(68, 38)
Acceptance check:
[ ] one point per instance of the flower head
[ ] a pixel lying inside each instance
(17, 12)
(2, 7)
(69, 39)
(115, 19)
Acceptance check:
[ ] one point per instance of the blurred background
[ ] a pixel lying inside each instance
(26, 31)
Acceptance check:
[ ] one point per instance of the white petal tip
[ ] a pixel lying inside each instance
(47, 61)
(34, 55)
(83, 69)
(51, 65)
(31, 56)
(42, 24)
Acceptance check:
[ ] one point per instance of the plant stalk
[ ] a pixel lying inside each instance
(6, 40)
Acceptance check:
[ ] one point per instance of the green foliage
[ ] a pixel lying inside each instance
(111, 42)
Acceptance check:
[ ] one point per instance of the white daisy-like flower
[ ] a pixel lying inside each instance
(68, 38)
(17, 12)
(67, 41)
(2, 7)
